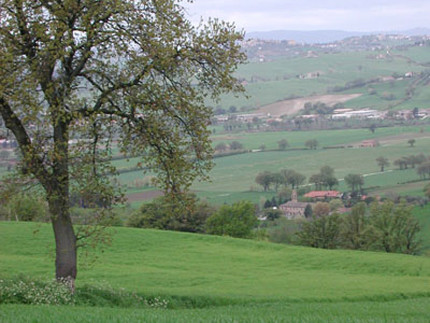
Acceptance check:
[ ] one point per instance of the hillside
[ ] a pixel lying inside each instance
(374, 66)
(224, 280)
(171, 263)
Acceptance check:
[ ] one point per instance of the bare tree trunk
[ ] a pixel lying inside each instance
(65, 240)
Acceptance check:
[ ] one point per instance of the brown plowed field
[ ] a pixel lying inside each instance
(293, 106)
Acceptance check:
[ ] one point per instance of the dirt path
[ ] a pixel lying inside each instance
(293, 106)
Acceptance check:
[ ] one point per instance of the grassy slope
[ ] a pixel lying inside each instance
(399, 311)
(267, 282)
(170, 263)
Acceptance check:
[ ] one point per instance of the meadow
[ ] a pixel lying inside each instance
(233, 177)
(220, 279)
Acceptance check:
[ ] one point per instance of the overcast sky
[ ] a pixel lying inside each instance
(349, 15)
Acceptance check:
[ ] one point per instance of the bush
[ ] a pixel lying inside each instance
(162, 214)
(236, 220)
(25, 291)
(23, 207)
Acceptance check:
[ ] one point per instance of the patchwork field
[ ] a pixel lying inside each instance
(279, 79)
(227, 280)
(233, 177)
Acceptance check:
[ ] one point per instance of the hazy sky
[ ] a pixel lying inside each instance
(349, 15)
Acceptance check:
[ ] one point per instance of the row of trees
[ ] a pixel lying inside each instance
(324, 179)
(410, 161)
(284, 177)
(234, 145)
(386, 227)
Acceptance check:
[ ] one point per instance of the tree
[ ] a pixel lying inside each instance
(272, 214)
(264, 179)
(354, 227)
(393, 228)
(308, 211)
(322, 232)
(325, 178)
(372, 128)
(236, 220)
(402, 163)
(424, 170)
(157, 215)
(311, 144)
(335, 205)
(291, 177)
(94, 71)
(382, 162)
(283, 144)
(236, 145)
(355, 182)
(411, 142)
(321, 209)
(221, 147)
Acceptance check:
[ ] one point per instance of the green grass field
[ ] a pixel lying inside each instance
(235, 280)
(398, 311)
(233, 177)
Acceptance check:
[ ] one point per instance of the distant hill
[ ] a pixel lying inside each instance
(325, 36)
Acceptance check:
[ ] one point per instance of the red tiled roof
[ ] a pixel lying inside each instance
(316, 194)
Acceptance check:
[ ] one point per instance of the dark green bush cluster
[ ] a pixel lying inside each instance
(237, 220)
(385, 227)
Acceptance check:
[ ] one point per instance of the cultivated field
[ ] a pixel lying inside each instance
(233, 177)
(293, 106)
(278, 80)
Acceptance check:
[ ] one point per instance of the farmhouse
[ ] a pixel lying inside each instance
(293, 209)
(368, 143)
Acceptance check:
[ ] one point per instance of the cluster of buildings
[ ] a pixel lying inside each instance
(296, 210)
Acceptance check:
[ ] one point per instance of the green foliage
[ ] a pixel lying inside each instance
(23, 207)
(325, 178)
(76, 77)
(23, 290)
(163, 214)
(321, 232)
(272, 214)
(355, 182)
(235, 145)
(382, 162)
(321, 209)
(236, 220)
(283, 144)
(311, 144)
(355, 227)
(393, 228)
(264, 179)
(284, 231)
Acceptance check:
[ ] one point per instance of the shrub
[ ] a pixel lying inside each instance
(25, 291)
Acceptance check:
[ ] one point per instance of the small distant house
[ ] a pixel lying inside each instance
(323, 194)
(293, 209)
(368, 143)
